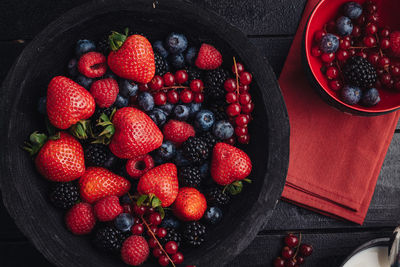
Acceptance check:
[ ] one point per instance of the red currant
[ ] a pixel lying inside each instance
(137, 229)
(327, 58)
(177, 258)
(161, 232)
(230, 85)
(240, 68)
(332, 73)
(163, 260)
(139, 210)
(230, 98)
(371, 8)
(156, 83)
(395, 70)
(245, 78)
(306, 250)
(127, 208)
(248, 108)
(318, 36)
(299, 260)
(152, 242)
(385, 79)
(344, 44)
(196, 85)
(186, 96)
(243, 88)
(385, 43)
(362, 54)
(383, 62)
(241, 120)
(239, 131)
(335, 85)
(153, 229)
(169, 79)
(244, 139)
(369, 41)
(361, 20)
(198, 98)
(173, 97)
(384, 33)
(160, 98)
(291, 240)
(157, 252)
(143, 87)
(287, 252)
(373, 18)
(352, 52)
(279, 262)
(316, 51)
(155, 219)
(342, 55)
(181, 76)
(171, 247)
(231, 141)
(371, 29)
(149, 210)
(233, 110)
(244, 98)
(356, 31)
(373, 58)
(290, 263)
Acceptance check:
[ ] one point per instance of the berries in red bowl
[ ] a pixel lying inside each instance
(351, 55)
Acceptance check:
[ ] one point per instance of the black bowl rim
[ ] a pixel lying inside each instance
(278, 132)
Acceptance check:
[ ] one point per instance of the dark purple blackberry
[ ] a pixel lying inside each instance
(195, 149)
(96, 154)
(214, 84)
(109, 239)
(359, 72)
(103, 45)
(193, 233)
(210, 140)
(217, 197)
(161, 64)
(194, 73)
(64, 195)
(172, 235)
(219, 111)
(189, 176)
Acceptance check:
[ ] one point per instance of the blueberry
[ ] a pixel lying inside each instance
(121, 101)
(181, 112)
(176, 43)
(213, 215)
(84, 81)
(42, 105)
(146, 101)
(180, 159)
(329, 43)
(128, 88)
(351, 94)
(84, 46)
(73, 67)
(223, 130)
(124, 222)
(370, 97)
(190, 56)
(125, 199)
(204, 168)
(170, 222)
(158, 160)
(167, 108)
(167, 150)
(194, 108)
(352, 10)
(177, 60)
(158, 116)
(344, 26)
(159, 47)
(204, 120)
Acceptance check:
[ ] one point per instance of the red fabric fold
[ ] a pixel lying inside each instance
(335, 158)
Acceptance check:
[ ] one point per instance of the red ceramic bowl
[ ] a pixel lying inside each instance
(326, 10)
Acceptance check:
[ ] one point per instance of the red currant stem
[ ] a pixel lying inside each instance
(298, 247)
(158, 242)
(340, 70)
(362, 47)
(237, 79)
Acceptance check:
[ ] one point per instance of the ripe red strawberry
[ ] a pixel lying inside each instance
(395, 43)
(229, 164)
(190, 204)
(105, 92)
(178, 131)
(62, 159)
(132, 57)
(162, 181)
(138, 166)
(68, 102)
(80, 219)
(208, 58)
(97, 183)
(135, 133)
(135, 250)
(108, 208)
(92, 65)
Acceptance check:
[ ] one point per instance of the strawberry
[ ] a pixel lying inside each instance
(68, 102)
(108, 208)
(132, 57)
(98, 182)
(61, 158)
(135, 250)
(104, 92)
(138, 166)
(92, 65)
(208, 58)
(135, 133)
(80, 219)
(395, 43)
(190, 204)
(229, 164)
(178, 131)
(162, 181)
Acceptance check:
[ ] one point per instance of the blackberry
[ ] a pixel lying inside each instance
(96, 154)
(64, 195)
(109, 239)
(172, 235)
(195, 149)
(214, 84)
(194, 73)
(193, 233)
(190, 176)
(161, 64)
(103, 45)
(359, 72)
(217, 197)
(219, 111)
(210, 140)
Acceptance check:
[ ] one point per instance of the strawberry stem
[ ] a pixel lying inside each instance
(117, 39)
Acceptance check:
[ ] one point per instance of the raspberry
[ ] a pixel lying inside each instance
(178, 131)
(92, 65)
(80, 219)
(208, 57)
(135, 250)
(108, 208)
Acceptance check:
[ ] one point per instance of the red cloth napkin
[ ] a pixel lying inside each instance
(335, 158)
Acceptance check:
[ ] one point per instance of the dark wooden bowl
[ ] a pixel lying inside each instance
(25, 192)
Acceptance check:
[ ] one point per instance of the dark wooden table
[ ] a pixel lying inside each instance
(271, 25)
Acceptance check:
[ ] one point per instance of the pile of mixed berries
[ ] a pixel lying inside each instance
(293, 253)
(140, 146)
(359, 57)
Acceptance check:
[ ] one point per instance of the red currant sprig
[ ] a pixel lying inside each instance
(289, 257)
